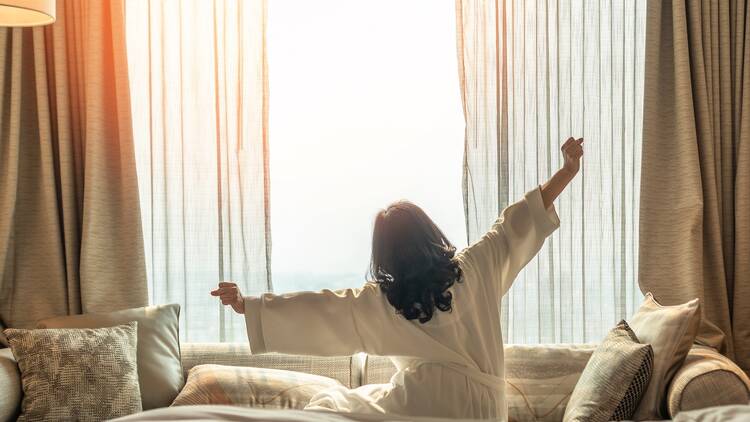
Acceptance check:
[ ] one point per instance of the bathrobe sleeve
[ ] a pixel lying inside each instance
(514, 239)
(320, 323)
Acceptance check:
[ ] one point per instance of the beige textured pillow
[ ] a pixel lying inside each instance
(251, 387)
(77, 374)
(159, 366)
(670, 330)
(614, 380)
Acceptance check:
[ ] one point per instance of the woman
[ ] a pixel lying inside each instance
(434, 312)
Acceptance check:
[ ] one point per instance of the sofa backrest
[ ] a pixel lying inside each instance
(539, 378)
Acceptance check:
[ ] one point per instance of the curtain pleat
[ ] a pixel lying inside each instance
(533, 73)
(695, 207)
(70, 231)
(200, 105)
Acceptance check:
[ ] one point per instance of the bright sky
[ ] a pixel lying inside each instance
(365, 109)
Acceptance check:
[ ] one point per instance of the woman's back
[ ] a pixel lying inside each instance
(453, 361)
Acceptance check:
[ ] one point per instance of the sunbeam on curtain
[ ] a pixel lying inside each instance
(532, 74)
(200, 101)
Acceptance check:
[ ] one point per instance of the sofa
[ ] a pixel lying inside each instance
(539, 378)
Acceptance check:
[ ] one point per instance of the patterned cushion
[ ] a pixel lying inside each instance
(77, 374)
(671, 331)
(251, 387)
(159, 368)
(614, 379)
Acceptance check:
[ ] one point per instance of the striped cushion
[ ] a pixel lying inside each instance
(251, 387)
(238, 354)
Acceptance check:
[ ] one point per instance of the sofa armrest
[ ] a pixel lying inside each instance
(238, 354)
(10, 385)
(707, 379)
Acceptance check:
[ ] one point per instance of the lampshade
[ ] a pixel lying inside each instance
(27, 12)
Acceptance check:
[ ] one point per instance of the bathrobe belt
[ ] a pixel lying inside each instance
(489, 380)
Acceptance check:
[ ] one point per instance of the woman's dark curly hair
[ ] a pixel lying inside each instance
(412, 261)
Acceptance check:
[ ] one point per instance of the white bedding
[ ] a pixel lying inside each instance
(235, 413)
(736, 413)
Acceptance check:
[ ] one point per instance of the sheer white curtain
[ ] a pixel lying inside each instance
(532, 74)
(199, 89)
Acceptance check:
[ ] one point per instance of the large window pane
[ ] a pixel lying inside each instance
(365, 110)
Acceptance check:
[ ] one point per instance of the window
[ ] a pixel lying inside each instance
(365, 110)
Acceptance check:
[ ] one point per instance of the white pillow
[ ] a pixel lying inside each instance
(670, 330)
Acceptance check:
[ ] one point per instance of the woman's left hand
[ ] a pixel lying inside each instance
(572, 151)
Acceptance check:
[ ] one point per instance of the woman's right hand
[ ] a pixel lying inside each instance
(230, 294)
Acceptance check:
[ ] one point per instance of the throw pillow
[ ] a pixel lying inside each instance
(670, 330)
(614, 379)
(159, 367)
(251, 387)
(83, 375)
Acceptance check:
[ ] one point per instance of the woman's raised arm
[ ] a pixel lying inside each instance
(522, 227)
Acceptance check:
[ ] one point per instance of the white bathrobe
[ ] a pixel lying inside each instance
(451, 366)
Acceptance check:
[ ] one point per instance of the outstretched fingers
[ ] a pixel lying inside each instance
(225, 289)
(229, 294)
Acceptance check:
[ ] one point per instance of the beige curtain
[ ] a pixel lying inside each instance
(533, 73)
(695, 191)
(199, 89)
(70, 229)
